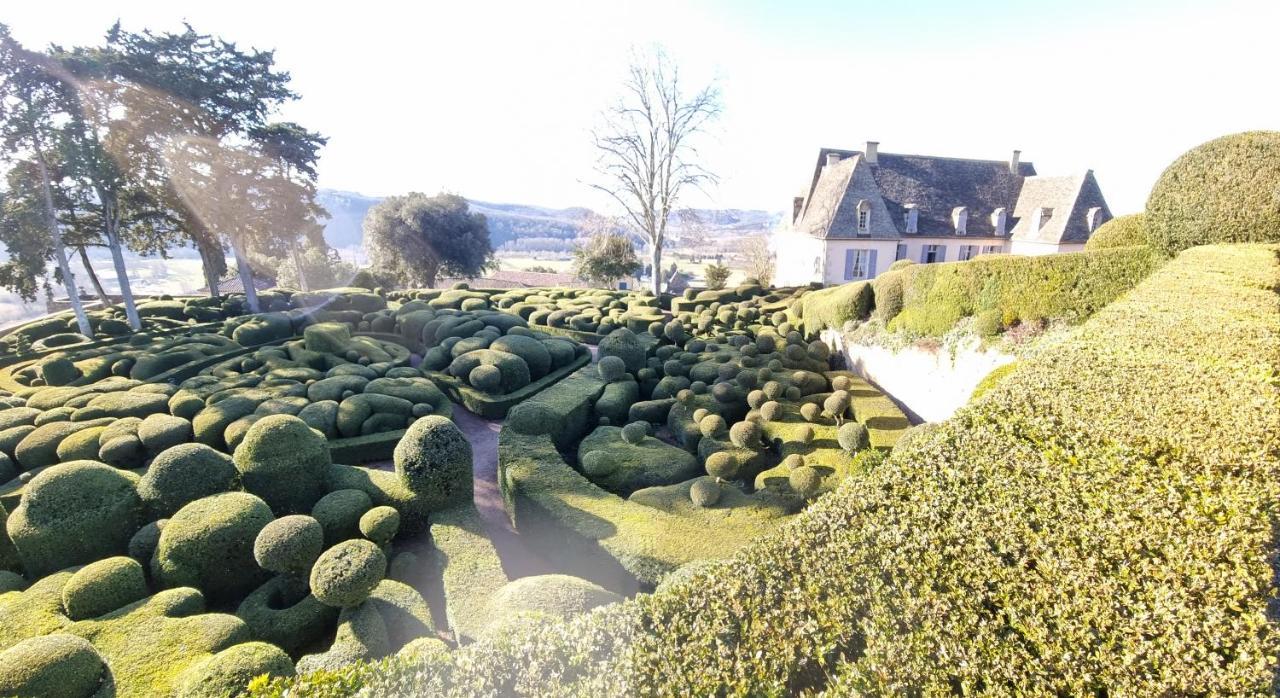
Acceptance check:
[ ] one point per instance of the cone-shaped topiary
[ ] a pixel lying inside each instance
(284, 461)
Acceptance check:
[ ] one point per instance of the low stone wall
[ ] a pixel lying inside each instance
(930, 384)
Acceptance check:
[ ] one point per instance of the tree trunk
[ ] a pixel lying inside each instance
(246, 275)
(656, 257)
(122, 274)
(297, 265)
(51, 219)
(93, 277)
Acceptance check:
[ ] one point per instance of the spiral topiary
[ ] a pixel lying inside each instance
(345, 574)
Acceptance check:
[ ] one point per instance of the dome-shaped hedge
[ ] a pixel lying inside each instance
(433, 459)
(58, 665)
(346, 573)
(183, 474)
(284, 461)
(1226, 190)
(1123, 231)
(208, 544)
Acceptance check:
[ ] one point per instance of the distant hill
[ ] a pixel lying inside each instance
(527, 227)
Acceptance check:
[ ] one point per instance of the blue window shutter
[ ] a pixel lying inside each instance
(924, 254)
(871, 265)
(942, 253)
(848, 265)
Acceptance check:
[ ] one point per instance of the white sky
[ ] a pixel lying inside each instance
(495, 100)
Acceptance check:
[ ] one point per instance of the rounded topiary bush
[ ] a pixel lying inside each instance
(810, 412)
(161, 431)
(611, 368)
(103, 586)
(143, 543)
(745, 434)
(704, 492)
(624, 344)
(771, 411)
(339, 514)
(723, 465)
(805, 480)
(1123, 231)
(72, 514)
(852, 436)
(229, 672)
(209, 543)
(289, 545)
(635, 432)
(53, 666)
(433, 459)
(345, 574)
(712, 425)
(284, 461)
(486, 379)
(598, 464)
(380, 524)
(1220, 192)
(183, 474)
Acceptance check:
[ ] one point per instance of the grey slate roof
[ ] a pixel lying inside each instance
(936, 186)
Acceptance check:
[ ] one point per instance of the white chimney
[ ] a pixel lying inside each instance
(832, 158)
(1013, 162)
(872, 152)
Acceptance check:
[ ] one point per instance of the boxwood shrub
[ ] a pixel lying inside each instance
(1099, 523)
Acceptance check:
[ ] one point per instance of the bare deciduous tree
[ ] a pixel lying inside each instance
(757, 260)
(647, 147)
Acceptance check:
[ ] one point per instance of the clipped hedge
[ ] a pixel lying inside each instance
(1226, 190)
(832, 307)
(1100, 523)
(1021, 289)
(1122, 231)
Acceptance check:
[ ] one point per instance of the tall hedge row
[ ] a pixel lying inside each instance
(1018, 288)
(1100, 523)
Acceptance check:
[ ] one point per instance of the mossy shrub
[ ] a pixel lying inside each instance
(624, 344)
(635, 432)
(722, 465)
(704, 492)
(380, 524)
(344, 575)
(486, 378)
(103, 586)
(72, 514)
(57, 665)
(712, 425)
(208, 544)
(433, 459)
(805, 480)
(339, 512)
(771, 411)
(283, 461)
(611, 368)
(183, 474)
(1220, 191)
(229, 672)
(745, 434)
(289, 544)
(1121, 231)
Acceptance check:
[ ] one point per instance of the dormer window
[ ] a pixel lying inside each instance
(911, 219)
(1040, 218)
(1093, 218)
(999, 221)
(960, 219)
(864, 217)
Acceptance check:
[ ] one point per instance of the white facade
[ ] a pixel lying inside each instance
(803, 259)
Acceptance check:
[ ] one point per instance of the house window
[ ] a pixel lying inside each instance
(968, 252)
(1093, 218)
(864, 217)
(991, 249)
(933, 253)
(902, 252)
(1042, 217)
(859, 264)
(911, 219)
(999, 221)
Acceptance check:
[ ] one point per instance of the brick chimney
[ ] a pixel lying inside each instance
(1013, 162)
(871, 154)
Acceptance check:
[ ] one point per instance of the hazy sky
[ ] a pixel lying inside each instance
(495, 101)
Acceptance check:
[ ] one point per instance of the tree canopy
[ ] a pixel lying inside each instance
(604, 258)
(416, 239)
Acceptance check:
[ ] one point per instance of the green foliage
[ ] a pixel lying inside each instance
(415, 239)
(433, 459)
(832, 307)
(344, 575)
(604, 258)
(1122, 231)
(73, 514)
(632, 465)
(274, 614)
(208, 544)
(339, 514)
(623, 344)
(289, 544)
(229, 672)
(380, 524)
(183, 474)
(1021, 289)
(853, 436)
(1220, 191)
(283, 461)
(716, 276)
(992, 379)
(56, 666)
(103, 586)
(471, 570)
